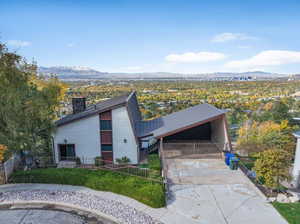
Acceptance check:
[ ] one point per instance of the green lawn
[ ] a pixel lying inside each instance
(291, 211)
(147, 192)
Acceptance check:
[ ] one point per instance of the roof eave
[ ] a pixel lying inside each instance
(92, 114)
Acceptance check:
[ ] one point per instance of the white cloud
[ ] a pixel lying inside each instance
(224, 37)
(18, 43)
(195, 57)
(267, 58)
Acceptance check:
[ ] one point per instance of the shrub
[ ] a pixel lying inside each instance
(123, 160)
(3, 148)
(78, 161)
(99, 161)
(154, 162)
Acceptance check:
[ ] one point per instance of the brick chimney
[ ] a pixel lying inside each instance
(78, 104)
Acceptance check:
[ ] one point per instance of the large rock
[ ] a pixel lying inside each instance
(271, 199)
(295, 196)
(294, 199)
(282, 198)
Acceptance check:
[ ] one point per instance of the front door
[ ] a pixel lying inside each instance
(67, 151)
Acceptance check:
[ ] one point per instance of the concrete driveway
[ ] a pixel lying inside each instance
(206, 191)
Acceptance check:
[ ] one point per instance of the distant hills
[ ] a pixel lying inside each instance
(69, 71)
(77, 72)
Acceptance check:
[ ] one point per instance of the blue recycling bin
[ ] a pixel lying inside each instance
(228, 156)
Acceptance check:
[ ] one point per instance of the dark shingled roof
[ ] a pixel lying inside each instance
(178, 120)
(95, 109)
(146, 128)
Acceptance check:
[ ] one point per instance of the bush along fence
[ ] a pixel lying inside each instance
(8, 167)
(121, 166)
(144, 190)
(143, 182)
(246, 164)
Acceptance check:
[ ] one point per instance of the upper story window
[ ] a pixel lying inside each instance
(105, 121)
(105, 125)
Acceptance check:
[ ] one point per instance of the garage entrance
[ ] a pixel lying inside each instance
(198, 133)
(205, 141)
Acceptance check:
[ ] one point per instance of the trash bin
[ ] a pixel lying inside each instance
(228, 155)
(234, 163)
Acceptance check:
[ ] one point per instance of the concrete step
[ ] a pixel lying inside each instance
(66, 164)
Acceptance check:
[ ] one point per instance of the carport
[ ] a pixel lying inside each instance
(204, 140)
(197, 132)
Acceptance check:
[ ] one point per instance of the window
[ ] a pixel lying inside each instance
(106, 147)
(66, 151)
(105, 125)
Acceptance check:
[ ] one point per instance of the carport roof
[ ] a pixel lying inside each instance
(177, 121)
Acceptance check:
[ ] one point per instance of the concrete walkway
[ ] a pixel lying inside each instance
(206, 191)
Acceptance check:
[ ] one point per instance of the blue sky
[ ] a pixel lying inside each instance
(147, 36)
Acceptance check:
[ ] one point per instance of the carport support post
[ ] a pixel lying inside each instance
(160, 147)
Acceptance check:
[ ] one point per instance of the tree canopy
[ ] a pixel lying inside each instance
(256, 137)
(272, 166)
(28, 104)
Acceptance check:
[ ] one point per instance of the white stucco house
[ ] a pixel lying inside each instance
(296, 166)
(114, 128)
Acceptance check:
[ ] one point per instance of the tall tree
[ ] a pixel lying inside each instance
(28, 104)
(273, 166)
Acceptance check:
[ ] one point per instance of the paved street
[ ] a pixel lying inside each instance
(36, 216)
(207, 192)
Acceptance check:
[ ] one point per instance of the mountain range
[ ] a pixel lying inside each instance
(78, 72)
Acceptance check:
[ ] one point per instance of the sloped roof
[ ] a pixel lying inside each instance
(95, 109)
(146, 128)
(158, 127)
(178, 120)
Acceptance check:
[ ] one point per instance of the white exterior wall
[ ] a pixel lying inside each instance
(219, 132)
(296, 168)
(121, 129)
(85, 134)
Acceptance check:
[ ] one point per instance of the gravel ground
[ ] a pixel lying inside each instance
(124, 213)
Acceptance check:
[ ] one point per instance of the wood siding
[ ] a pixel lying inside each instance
(105, 115)
(106, 135)
(107, 156)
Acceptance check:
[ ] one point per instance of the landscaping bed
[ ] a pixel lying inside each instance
(148, 192)
(290, 211)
